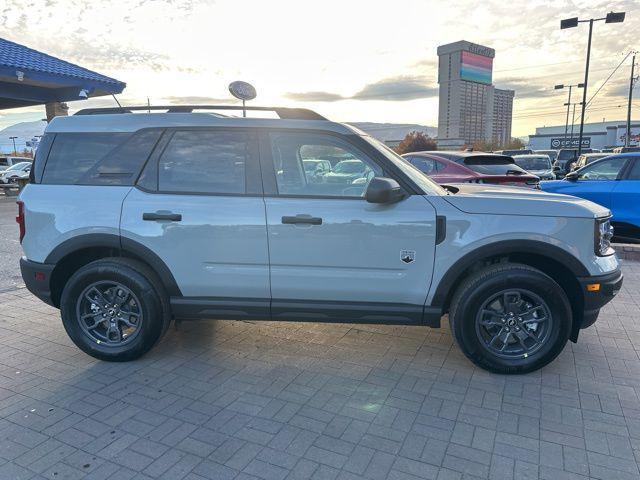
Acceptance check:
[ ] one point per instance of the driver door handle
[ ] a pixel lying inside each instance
(155, 216)
(301, 220)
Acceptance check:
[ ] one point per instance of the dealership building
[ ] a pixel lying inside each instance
(470, 107)
(595, 135)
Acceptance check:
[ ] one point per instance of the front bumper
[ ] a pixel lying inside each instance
(598, 290)
(37, 278)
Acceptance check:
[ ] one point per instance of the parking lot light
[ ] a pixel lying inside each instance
(611, 17)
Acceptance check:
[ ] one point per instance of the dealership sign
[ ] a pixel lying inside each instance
(570, 142)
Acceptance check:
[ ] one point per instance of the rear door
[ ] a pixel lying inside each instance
(332, 253)
(198, 206)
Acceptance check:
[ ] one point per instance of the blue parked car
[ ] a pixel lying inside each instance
(613, 182)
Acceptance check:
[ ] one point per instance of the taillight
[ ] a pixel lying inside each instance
(20, 219)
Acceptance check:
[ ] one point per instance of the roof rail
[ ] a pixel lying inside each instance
(283, 112)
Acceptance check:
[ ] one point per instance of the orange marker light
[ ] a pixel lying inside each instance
(593, 287)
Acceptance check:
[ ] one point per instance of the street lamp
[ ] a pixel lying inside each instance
(612, 17)
(568, 104)
(15, 152)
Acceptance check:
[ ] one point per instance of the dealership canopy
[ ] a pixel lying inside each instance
(29, 77)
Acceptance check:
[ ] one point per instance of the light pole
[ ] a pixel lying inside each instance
(15, 152)
(612, 17)
(568, 105)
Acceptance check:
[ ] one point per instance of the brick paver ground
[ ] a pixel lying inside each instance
(276, 400)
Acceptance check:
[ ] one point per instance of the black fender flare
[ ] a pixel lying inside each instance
(123, 245)
(504, 247)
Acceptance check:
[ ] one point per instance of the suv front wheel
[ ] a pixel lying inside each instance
(114, 309)
(510, 318)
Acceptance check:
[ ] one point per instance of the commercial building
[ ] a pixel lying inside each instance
(471, 109)
(595, 135)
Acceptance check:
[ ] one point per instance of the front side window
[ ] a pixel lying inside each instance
(311, 164)
(210, 162)
(603, 170)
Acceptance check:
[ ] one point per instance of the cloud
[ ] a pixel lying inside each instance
(315, 96)
(398, 89)
(395, 89)
(197, 100)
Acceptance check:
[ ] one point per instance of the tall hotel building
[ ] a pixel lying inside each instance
(471, 108)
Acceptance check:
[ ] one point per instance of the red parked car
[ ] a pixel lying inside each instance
(471, 167)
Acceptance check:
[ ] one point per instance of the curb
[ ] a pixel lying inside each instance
(627, 251)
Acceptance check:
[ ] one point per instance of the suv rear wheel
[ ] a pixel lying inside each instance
(510, 318)
(114, 309)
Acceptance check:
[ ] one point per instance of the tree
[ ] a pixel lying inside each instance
(514, 144)
(416, 142)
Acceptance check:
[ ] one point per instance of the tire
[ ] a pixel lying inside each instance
(478, 311)
(146, 309)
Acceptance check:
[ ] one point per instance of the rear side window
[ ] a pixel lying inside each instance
(122, 165)
(634, 174)
(212, 162)
(72, 155)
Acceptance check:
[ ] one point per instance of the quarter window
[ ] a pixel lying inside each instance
(73, 154)
(211, 162)
(340, 170)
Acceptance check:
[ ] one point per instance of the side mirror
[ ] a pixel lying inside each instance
(556, 168)
(383, 190)
(571, 176)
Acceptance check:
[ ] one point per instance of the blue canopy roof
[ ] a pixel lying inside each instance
(29, 77)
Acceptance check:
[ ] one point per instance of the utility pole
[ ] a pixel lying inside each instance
(627, 140)
(15, 152)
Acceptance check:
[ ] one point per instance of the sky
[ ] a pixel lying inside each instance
(350, 60)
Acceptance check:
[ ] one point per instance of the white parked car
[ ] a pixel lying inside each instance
(15, 172)
(8, 161)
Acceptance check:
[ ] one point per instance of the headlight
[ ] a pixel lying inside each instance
(603, 236)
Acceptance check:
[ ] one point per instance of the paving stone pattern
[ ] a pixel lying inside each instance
(284, 400)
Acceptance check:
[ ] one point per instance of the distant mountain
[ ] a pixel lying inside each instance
(389, 132)
(25, 131)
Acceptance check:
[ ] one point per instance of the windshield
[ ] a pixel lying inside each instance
(567, 154)
(428, 186)
(534, 163)
(18, 166)
(349, 167)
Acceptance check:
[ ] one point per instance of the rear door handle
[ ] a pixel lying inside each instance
(154, 216)
(302, 220)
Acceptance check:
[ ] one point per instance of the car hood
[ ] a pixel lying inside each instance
(504, 200)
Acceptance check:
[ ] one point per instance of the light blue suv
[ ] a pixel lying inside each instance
(134, 219)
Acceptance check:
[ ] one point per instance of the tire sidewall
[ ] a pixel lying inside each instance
(536, 282)
(150, 305)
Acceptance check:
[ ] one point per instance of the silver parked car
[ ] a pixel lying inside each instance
(133, 220)
(539, 165)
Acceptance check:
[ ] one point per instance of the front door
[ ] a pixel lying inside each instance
(596, 181)
(199, 208)
(333, 254)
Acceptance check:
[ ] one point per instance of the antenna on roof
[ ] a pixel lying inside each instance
(148, 105)
(114, 97)
(243, 91)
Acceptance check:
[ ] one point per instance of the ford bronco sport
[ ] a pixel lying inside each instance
(134, 219)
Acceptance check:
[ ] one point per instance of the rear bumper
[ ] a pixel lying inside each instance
(36, 277)
(599, 290)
